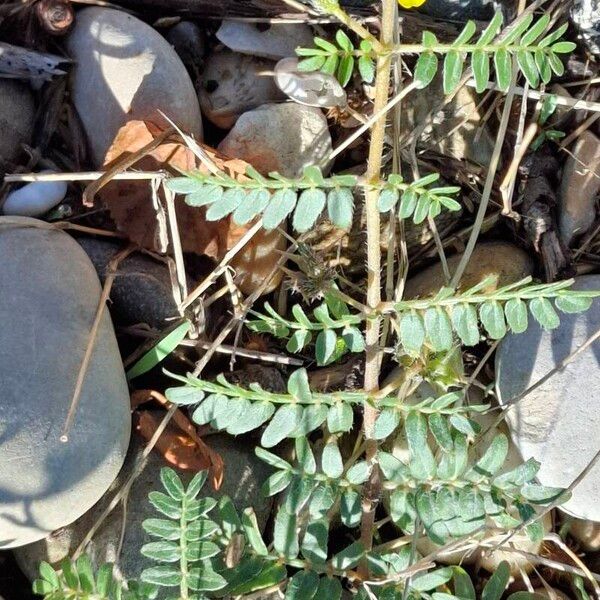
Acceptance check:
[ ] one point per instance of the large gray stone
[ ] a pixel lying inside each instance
(280, 137)
(585, 16)
(17, 112)
(48, 301)
(559, 422)
(244, 476)
(125, 70)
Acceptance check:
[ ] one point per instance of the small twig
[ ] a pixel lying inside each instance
(82, 176)
(110, 277)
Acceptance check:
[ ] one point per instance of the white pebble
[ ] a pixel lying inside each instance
(35, 198)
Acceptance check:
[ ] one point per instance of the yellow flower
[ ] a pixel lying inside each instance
(410, 3)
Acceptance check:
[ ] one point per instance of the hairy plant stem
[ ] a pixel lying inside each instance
(382, 83)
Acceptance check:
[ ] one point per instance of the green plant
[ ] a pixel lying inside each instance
(439, 490)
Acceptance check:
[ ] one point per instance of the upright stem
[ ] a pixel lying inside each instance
(382, 82)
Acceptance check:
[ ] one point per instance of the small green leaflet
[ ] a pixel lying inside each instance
(157, 354)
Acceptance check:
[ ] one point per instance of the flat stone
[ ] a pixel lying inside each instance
(559, 422)
(280, 137)
(232, 84)
(125, 70)
(579, 188)
(141, 291)
(17, 112)
(47, 307)
(273, 41)
(244, 476)
(506, 262)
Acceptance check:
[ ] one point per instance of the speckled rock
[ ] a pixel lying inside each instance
(232, 84)
(579, 188)
(17, 112)
(280, 137)
(48, 304)
(559, 422)
(273, 41)
(125, 70)
(506, 262)
(244, 476)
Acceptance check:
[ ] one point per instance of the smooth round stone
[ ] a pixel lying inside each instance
(17, 112)
(280, 137)
(274, 41)
(505, 262)
(125, 70)
(232, 84)
(50, 294)
(35, 199)
(558, 423)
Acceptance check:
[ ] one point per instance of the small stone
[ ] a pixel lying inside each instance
(579, 188)
(457, 130)
(125, 70)
(232, 84)
(244, 476)
(502, 260)
(17, 112)
(312, 89)
(273, 41)
(141, 291)
(50, 298)
(187, 40)
(585, 16)
(281, 137)
(35, 199)
(558, 423)
(587, 533)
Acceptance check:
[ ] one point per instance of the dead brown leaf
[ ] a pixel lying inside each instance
(131, 206)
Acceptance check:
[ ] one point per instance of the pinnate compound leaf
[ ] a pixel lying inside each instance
(162, 551)
(254, 204)
(165, 505)
(231, 199)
